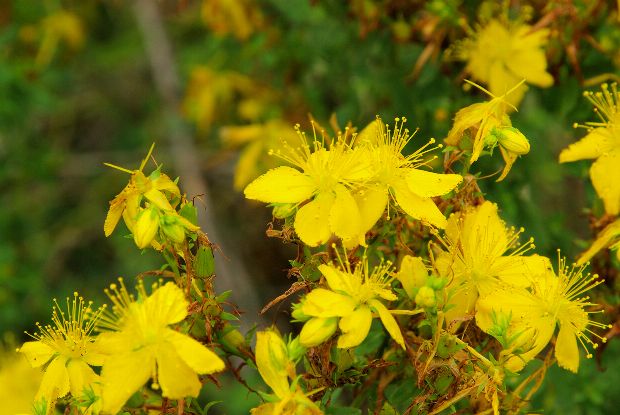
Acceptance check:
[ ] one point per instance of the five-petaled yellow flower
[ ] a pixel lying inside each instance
(534, 312)
(328, 173)
(141, 345)
(480, 254)
(69, 351)
(399, 176)
(349, 304)
(603, 144)
(502, 53)
(276, 368)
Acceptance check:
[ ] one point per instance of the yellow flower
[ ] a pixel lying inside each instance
(399, 176)
(239, 17)
(210, 93)
(480, 253)
(490, 126)
(609, 237)
(157, 189)
(551, 300)
(276, 367)
(68, 349)
(603, 144)
(328, 173)
(352, 298)
(140, 345)
(60, 26)
(502, 54)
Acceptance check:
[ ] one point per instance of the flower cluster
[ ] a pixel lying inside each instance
(150, 206)
(343, 187)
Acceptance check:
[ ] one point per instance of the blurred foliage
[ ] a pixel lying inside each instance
(77, 91)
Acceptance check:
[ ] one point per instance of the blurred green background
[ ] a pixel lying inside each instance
(88, 82)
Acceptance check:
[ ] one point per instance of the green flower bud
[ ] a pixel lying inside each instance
(146, 227)
(425, 297)
(317, 330)
(283, 211)
(513, 140)
(298, 314)
(295, 349)
(172, 228)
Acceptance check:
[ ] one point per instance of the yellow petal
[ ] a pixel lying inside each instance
(603, 239)
(123, 375)
(466, 118)
(596, 143)
(312, 220)
(55, 383)
(371, 202)
(412, 274)
(281, 185)
(520, 270)
(324, 303)
(247, 165)
(566, 348)
(344, 216)
(336, 279)
(316, 330)
(605, 174)
(509, 160)
(158, 199)
(484, 232)
(418, 207)
(531, 65)
(354, 327)
(429, 184)
(117, 205)
(388, 320)
(176, 378)
(81, 376)
(37, 353)
(272, 361)
(167, 305)
(196, 355)
(164, 183)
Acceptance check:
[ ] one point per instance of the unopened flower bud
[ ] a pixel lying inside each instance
(425, 297)
(172, 228)
(283, 211)
(298, 314)
(146, 227)
(317, 330)
(513, 140)
(412, 275)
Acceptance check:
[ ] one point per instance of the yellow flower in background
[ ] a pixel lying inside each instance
(68, 350)
(609, 237)
(328, 175)
(58, 28)
(535, 312)
(500, 54)
(19, 382)
(399, 176)
(210, 93)
(139, 345)
(276, 368)
(351, 301)
(238, 17)
(257, 140)
(489, 126)
(603, 144)
(480, 253)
